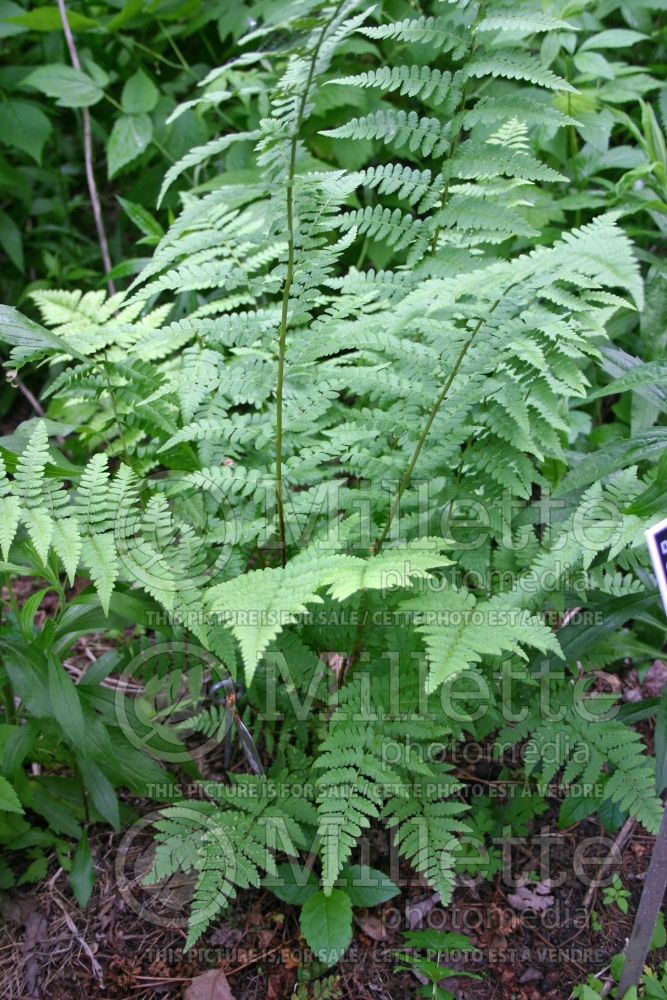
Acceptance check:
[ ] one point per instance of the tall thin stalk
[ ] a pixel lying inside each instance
(88, 153)
(421, 441)
(457, 137)
(289, 279)
(407, 475)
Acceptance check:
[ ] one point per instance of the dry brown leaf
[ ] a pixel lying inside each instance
(373, 927)
(418, 911)
(211, 985)
(290, 959)
(656, 679)
(532, 897)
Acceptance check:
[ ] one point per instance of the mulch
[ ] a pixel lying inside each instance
(128, 943)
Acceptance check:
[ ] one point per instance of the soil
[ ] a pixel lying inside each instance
(128, 942)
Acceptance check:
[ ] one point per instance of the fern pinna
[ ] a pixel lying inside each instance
(352, 333)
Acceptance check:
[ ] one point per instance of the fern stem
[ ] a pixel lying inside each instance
(289, 279)
(407, 475)
(114, 408)
(457, 138)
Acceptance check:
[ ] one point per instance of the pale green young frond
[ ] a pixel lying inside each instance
(522, 20)
(438, 32)
(428, 136)
(9, 512)
(408, 80)
(512, 65)
(31, 466)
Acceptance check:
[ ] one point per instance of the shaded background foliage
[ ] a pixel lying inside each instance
(141, 59)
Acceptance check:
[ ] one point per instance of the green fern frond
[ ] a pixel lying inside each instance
(102, 562)
(403, 129)
(31, 466)
(327, 353)
(9, 512)
(257, 605)
(407, 80)
(428, 827)
(589, 742)
(522, 20)
(93, 507)
(458, 631)
(225, 852)
(391, 227)
(512, 65)
(434, 31)
(68, 544)
(351, 792)
(477, 161)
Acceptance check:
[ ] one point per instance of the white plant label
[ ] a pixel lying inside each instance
(656, 539)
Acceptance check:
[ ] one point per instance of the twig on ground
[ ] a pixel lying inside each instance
(617, 846)
(260, 958)
(94, 964)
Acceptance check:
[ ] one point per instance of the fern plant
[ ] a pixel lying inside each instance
(353, 337)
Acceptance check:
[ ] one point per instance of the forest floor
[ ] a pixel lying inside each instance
(128, 943)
